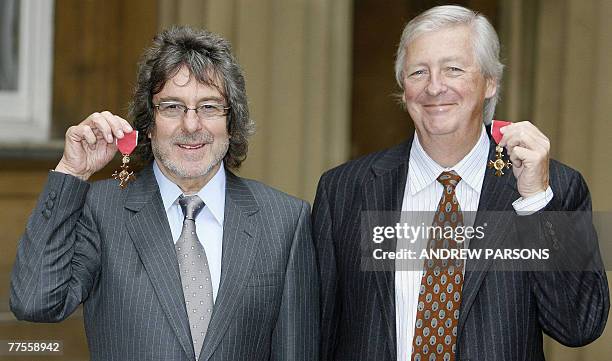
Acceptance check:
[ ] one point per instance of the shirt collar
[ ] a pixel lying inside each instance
(213, 193)
(423, 170)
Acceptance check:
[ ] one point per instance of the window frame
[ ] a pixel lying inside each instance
(25, 113)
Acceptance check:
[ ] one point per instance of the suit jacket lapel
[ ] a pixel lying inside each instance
(384, 192)
(149, 229)
(496, 196)
(239, 248)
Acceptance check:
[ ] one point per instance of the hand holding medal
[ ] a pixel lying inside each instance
(529, 152)
(90, 145)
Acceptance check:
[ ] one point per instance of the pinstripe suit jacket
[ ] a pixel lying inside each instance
(112, 250)
(503, 314)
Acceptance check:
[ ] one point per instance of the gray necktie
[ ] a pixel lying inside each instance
(195, 274)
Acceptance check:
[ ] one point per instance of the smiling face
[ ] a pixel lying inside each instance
(444, 89)
(189, 150)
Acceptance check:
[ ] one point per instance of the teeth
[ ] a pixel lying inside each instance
(190, 146)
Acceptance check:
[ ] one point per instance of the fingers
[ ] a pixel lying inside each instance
(127, 128)
(525, 140)
(83, 132)
(514, 158)
(522, 156)
(110, 126)
(525, 134)
(89, 136)
(118, 125)
(97, 127)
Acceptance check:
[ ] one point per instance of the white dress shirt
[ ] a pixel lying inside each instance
(209, 222)
(422, 194)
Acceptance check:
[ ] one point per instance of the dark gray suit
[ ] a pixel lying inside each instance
(112, 250)
(503, 314)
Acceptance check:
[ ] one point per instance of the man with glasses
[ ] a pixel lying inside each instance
(189, 261)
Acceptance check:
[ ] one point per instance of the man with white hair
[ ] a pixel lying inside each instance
(449, 70)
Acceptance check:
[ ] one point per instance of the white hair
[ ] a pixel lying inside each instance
(485, 44)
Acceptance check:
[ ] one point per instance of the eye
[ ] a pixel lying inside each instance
(454, 70)
(171, 106)
(418, 73)
(209, 108)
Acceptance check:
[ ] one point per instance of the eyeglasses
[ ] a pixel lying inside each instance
(172, 110)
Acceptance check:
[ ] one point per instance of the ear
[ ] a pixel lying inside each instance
(402, 97)
(491, 88)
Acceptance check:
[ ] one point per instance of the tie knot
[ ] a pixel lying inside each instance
(449, 179)
(191, 206)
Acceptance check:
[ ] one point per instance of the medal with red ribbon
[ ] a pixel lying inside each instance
(499, 163)
(126, 146)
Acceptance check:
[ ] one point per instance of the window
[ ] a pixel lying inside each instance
(26, 37)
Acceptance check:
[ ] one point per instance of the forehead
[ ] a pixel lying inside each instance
(185, 85)
(448, 42)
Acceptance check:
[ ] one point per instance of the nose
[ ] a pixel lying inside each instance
(436, 84)
(191, 122)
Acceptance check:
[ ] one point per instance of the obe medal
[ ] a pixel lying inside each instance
(499, 164)
(126, 146)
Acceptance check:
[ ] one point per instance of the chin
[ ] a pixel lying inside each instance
(441, 127)
(199, 170)
(188, 169)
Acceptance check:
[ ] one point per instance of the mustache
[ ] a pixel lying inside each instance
(200, 137)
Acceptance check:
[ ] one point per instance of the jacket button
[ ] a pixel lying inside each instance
(52, 195)
(50, 204)
(46, 213)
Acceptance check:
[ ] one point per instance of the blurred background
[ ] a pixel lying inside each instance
(321, 88)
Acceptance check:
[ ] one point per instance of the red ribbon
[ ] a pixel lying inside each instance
(496, 126)
(127, 144)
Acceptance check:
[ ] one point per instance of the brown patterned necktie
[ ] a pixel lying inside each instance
(435, 332)
(195, 273)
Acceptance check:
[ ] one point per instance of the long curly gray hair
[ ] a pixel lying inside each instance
(209, 58)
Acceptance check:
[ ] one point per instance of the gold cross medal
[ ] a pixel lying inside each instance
(126, 146)
(499, 163)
